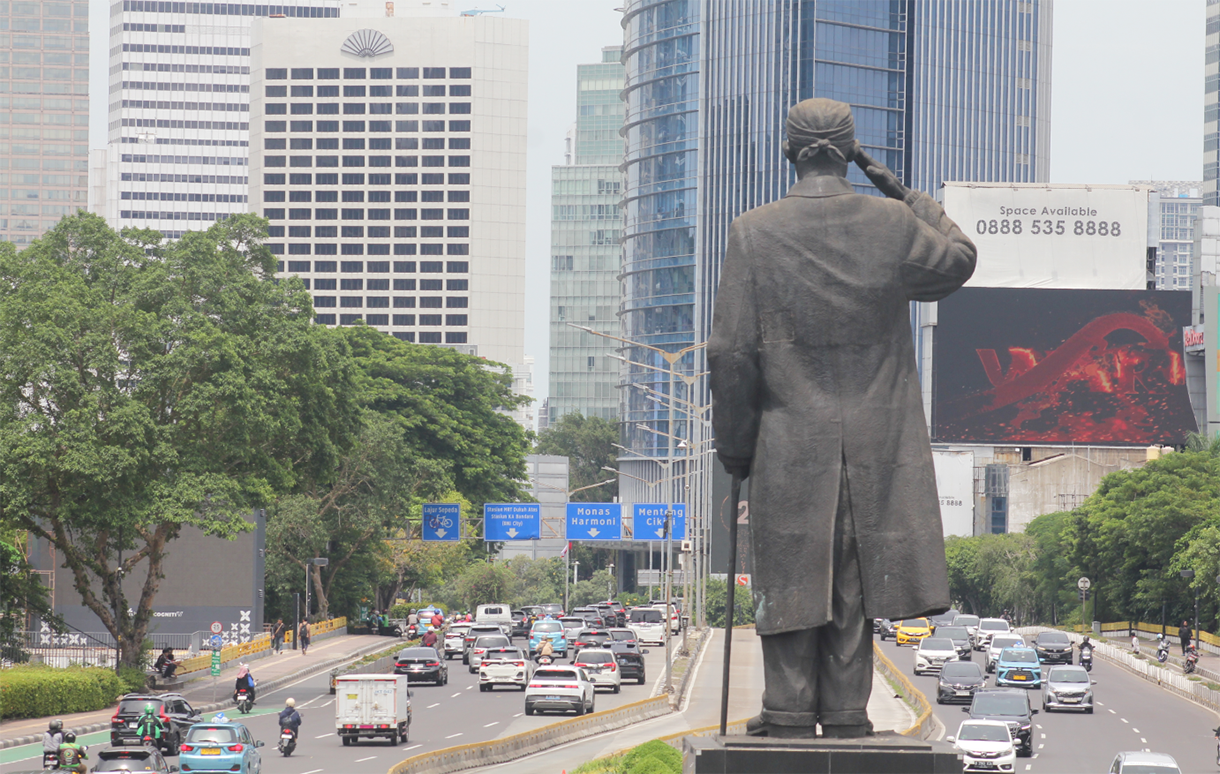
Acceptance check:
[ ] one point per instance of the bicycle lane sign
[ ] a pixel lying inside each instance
(442, 521)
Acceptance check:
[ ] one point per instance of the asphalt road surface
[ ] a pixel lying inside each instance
(442, 716)
(1130, 714)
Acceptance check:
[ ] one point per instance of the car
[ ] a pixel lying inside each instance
(504, 666)
(482, 645)
(592, 616)
(553, 609)
(590, 638)
(548, 630)
(1053, 648)
(423, 664)
(175, 712)
(601, 665)
(912, 630)
(608, 614)
(220, 747)
(963, 643)
(572, 625)
(997, 645)
(136, 759)
(958, 681)
(1068, 687)
(988, 628)
(1008, 706)
(455, 639)
(885, 628)
(648, 624)
(932, 653)
(970, 623)
(630, 660)
(621, 634)
(620, 610)
(1144, 763)
(985, 745)
(943, 619)
(521, 623)
(473, 633)
(1018, 667)
(559, 688)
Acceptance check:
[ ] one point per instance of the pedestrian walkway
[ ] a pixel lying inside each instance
(702, 709)
(199, 691)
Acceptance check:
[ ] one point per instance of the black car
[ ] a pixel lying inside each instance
(550, 608)
(591, 615)
(1053, 648)
(611, 616)
(132, 759)
(962, 642)
(423, 664)
(1011, 706)
(959, 680)
(943, 619)
(622, 635)
(521, 623)
(589, 638)
(630, 660)
(620, 610)
(175, 712)
(886, 628)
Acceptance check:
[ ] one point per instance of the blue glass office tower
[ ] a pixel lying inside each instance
(940, 90)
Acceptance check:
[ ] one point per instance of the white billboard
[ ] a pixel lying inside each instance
(955, 484)
(1034, 235)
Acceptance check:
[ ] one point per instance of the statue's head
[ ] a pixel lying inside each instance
(822, 134)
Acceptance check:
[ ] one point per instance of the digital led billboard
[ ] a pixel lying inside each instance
(1028, 366)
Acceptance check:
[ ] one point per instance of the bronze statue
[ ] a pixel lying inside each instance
(816, 396)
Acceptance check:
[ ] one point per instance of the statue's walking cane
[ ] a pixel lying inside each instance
(729, 599)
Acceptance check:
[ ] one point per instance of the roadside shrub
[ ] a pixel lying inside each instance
(35, 691)
(653, 757)
(134, 679)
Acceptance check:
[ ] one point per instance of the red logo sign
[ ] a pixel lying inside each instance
(1192, 337)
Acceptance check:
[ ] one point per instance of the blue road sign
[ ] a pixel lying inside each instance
(648, 521)
(595, 521)
(442, 521)
(512, 521)
(216, 642)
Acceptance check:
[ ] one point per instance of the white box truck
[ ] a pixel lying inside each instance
(369, 706)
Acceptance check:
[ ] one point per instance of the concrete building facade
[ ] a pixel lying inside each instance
(1173, 208)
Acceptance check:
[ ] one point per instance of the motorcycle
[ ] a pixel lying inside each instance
(545, 660)
(50, 759)
(1086, 659)
(244, 702)
(1162, 651)
(288, 741)
(1192, 658)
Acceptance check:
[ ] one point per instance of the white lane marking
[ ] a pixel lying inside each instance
(1136, 730)
(469, 687)
(1112, 712)
(1040, 745)
(311, 771)
(323, 736)
(412, 747)
(1124, 720)
(1043, 736)
(1038, 726)
(1029, 766)
(454, 696)
(519, 714)
(362, 760)
(492, 723)
(327, 704)
(452, 736)
(430, 706)
(1143, 740)
(1100, 704)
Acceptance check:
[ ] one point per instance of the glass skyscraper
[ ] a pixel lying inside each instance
(1211, 107)
(585, 227)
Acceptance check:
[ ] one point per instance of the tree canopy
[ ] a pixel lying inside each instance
(588, 443)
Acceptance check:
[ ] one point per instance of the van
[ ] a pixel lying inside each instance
(500, 615)
(369, 706)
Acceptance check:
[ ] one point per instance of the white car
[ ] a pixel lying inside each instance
(455, 640)
(988, 628)
(601, 666)
(998, 643)
(504, 666)
(648, 624)
(986, 745)
(932, 654)
(482, 645)
(559, 688)
(971, 624)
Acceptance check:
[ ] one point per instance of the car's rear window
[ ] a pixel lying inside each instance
(507, 653)
(622, 635)
(953, 632)
(555, 674)
(551, 607)
(994, 626)
(220, 735)
(646, 616)
(134, 761)
(492, 611)
(548, 626)
(137, 705)
(966, 620)
(490, 642)
(1000, 704)
(595, 658)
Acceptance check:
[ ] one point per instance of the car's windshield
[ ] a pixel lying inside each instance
(200, 734)
(1144, 768)
(646, 616)
(994, 626)
(961, 669)
(966, 620)
(915, 623)
(953, 632)
(555, 674)
(936, 643)
(548, 626)
(1019, 656)
(999, 643)
(1069, 676)
(1058, 638)
(999, 704)
(594, 658)
(978, 732)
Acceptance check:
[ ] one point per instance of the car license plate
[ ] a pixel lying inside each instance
(1071, 699)
(962, 693)
(555, 698)
(1020, 677)
(984, 764)
(209, 751)
(131, 725)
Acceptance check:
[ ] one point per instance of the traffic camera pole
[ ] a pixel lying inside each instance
(729, 599)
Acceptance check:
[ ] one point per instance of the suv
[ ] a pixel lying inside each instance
(175, 713)
(608, 614)
(620, 610)
(1010, 706)
(592, 616)
(132, 759)
(1053, 648)
(630, 660)
(963, 643)
(475, 632)
(521, 623)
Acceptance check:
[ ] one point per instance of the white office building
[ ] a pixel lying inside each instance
(388, 155)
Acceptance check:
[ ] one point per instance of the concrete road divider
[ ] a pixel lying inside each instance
(925, 723)
(510, 748)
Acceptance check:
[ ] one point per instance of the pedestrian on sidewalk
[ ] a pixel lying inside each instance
(1185, 635)
(303, 635)
(1135, 643)
(277, 635)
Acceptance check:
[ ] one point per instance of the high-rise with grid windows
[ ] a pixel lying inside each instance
(1173, 209)
(388, 155)
(585, 223)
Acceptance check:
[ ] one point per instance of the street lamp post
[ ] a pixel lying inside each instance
(567, 554)
(611, 584)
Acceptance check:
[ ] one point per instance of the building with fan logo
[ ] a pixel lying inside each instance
(388, 155)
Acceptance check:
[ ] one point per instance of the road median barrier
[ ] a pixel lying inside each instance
(511, 748)
(925, 722)
(383, 664)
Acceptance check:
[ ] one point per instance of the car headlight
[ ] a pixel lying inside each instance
(1050, 695)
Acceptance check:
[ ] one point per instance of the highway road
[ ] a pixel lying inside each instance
(1130, 714)
(442, 716)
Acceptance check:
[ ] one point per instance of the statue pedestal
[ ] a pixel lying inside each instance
(881, 754)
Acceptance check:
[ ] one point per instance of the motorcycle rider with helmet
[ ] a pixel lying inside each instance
(51, 740)
(72, 756)
(149, 726)
(244, 682)
(289, 717)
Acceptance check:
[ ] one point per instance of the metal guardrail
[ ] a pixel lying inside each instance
(258, 644)
(73, 647)
(925, 724)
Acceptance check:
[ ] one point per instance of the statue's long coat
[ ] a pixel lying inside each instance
(812, 368)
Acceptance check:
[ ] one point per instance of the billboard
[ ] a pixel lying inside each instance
(955, 485)
(1054, 236)
(1031, 366)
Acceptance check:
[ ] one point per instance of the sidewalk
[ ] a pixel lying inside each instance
(702, 709)
(1208, 666)
(289, 665)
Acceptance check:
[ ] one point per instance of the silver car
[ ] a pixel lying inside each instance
(998, 643)
(1067, 687)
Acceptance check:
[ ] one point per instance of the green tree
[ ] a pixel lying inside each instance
(147, 387)
(743, 604)
(588, 443)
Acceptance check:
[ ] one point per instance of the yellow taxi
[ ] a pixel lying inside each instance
(912, 630)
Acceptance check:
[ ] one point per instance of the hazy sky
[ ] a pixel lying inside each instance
(1126, 103)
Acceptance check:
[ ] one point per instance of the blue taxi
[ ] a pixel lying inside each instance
(549, 629)
(1018, 668)
(220, 746)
